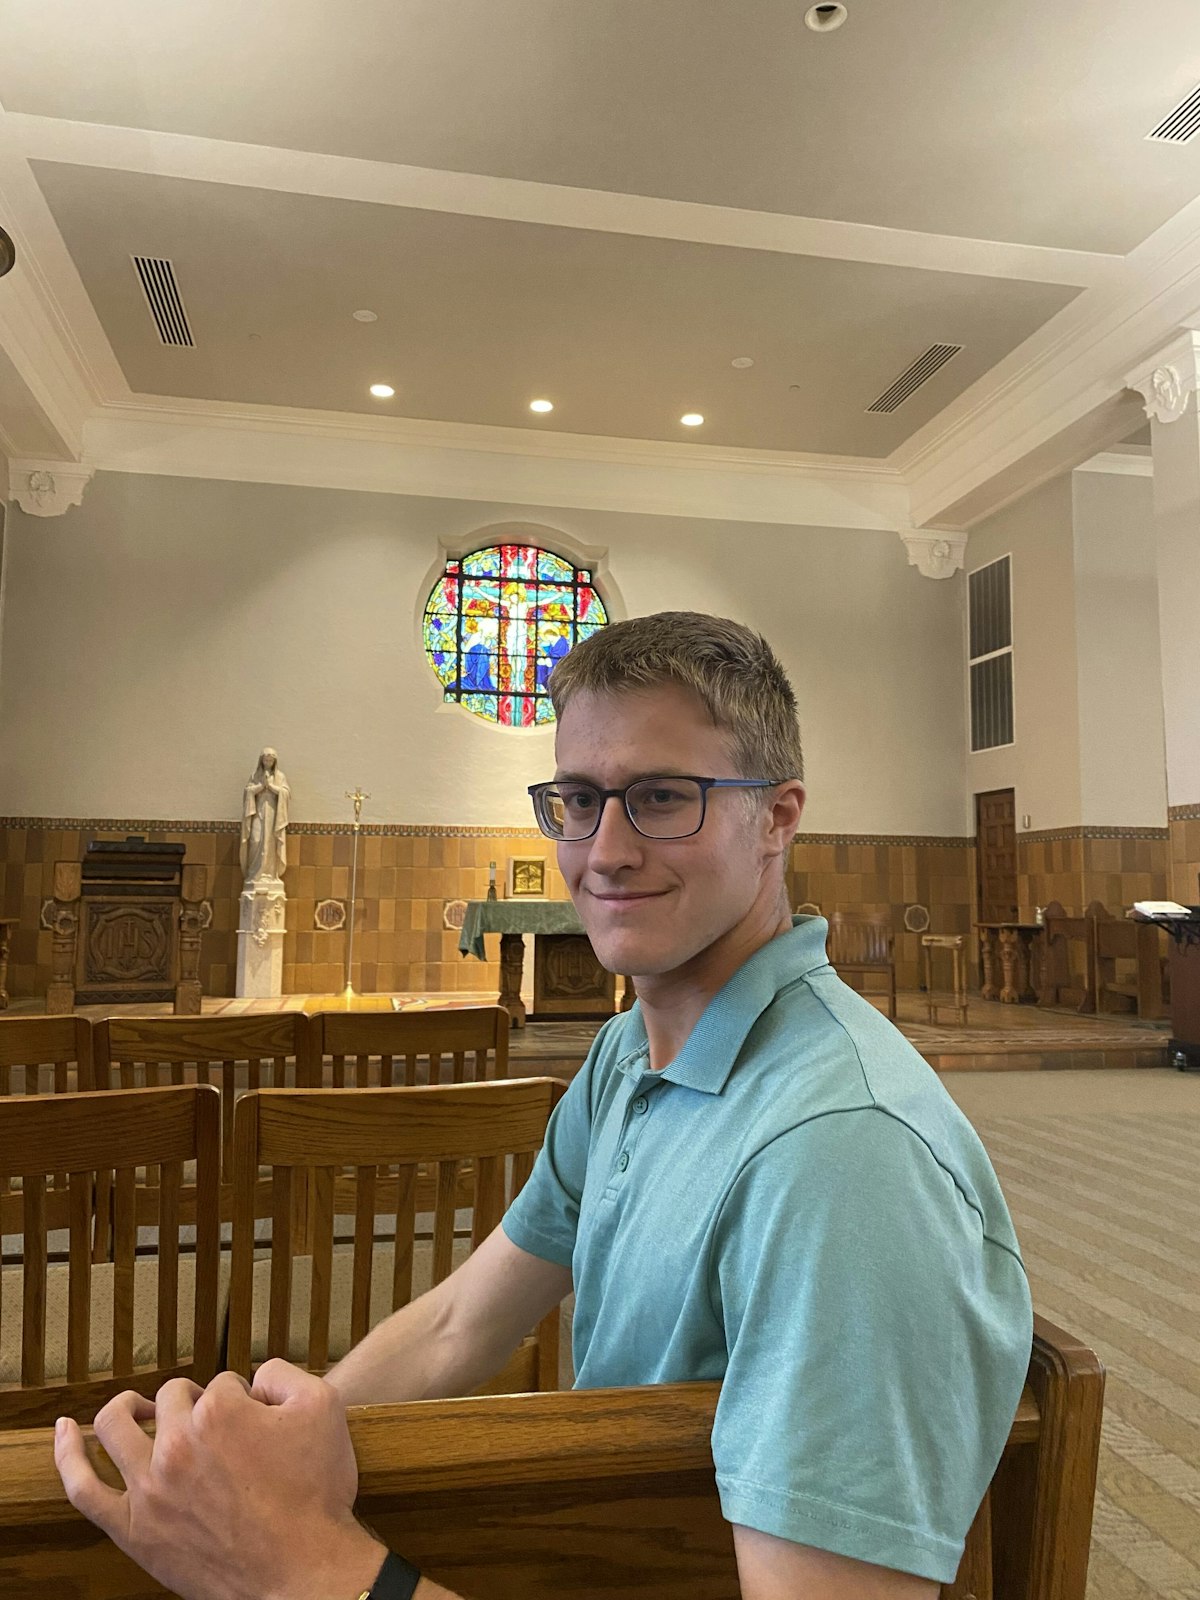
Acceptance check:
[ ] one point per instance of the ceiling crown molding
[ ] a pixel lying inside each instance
(48, 488)
(934, 553)
(1166, 380)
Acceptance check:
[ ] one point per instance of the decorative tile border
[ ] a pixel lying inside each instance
(1088, 831)
(938, 841)
(405, 830)
(1184, 813)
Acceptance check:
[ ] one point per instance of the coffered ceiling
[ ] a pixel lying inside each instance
(604, 203)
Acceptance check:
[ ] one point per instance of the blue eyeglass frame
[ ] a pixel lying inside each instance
(605, 795)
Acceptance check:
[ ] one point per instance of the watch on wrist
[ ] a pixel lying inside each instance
(396, 1579)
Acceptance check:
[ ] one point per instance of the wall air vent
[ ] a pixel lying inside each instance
(157, 278)
(911, 379)
(1178, 126)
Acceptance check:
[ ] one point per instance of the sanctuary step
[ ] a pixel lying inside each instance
(996, 1037)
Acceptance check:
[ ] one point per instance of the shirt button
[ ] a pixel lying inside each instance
(623, 1161)
(641, 1104)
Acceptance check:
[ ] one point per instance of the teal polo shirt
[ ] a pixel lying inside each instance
(795, 1206)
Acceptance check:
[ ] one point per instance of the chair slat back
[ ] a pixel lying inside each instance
(234, 1054)
(45, 1055)
(89, 1136)
(363, 1154)
(857, 940)
(625, 1471)
(379, 1049)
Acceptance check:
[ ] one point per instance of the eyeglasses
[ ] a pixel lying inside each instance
(659, 808)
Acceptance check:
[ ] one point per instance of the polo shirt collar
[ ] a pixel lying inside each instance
(714, 1044)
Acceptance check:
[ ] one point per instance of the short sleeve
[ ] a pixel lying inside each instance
(544, 1217)
(878, 1343)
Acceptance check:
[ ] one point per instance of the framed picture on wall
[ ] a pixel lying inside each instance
(526, 878)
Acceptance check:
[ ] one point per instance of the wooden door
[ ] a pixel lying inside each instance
(996, 855)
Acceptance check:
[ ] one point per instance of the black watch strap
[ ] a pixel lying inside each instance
(397, 1579)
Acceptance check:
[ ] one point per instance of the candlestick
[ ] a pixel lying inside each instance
(491, 892)
(358, 797)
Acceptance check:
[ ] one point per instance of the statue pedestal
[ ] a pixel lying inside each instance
(262, 907)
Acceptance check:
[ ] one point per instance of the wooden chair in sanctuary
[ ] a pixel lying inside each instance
(235, 1054)
(588, 1494)
(1137, 983)
(74, 1333)
(864, 947)
(361, 1049)
(365, 1155)
(45, 1055)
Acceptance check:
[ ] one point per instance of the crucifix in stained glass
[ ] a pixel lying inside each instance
(497, 623)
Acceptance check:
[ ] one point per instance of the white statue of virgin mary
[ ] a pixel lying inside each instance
(265, 801)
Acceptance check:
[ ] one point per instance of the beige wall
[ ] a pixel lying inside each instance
(158, 635)
(1042, 764)
(1122, 763)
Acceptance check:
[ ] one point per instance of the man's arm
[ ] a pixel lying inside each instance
(776, 1569)
(461, 1333)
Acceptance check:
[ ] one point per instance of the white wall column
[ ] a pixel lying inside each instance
(1168, 384)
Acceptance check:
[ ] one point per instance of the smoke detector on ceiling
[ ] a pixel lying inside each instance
(8, 253)
(825, 18)
(1179, 125)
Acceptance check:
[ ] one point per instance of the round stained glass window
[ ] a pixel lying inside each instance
(497, 623)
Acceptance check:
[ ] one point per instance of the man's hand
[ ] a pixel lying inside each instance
(242, 1494)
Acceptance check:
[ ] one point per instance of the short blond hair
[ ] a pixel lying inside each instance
(731, 669)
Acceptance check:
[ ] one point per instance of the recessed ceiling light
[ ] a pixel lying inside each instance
(691, 419)
(382, 391)
(825, 19)
(541, 405)
(364, 316)
(742, 361)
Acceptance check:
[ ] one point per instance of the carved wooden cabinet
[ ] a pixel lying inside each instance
(127, 923)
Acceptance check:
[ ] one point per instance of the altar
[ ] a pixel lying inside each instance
(569, 984)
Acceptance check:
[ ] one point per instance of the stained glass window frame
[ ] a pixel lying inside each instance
(457, 598)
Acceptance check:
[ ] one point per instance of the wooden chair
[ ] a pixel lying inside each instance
(1062, 980)
(361, 1150)
(45, 1055)
(862, 946)
(366, 1049)
(236, 1054)
(1139, 988)
(57, 1354)
(594, 1493)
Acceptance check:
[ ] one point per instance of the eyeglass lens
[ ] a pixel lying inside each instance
(660, 808)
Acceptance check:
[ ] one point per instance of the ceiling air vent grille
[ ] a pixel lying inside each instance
(910, 380)
(157, 278)
(1178, 126)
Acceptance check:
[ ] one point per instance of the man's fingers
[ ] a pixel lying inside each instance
(107, 1508)
(117, 1426)
(278, 1381)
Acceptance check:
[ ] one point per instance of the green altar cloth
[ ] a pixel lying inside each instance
(514, 916)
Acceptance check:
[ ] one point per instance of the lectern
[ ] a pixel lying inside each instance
(1183, 925)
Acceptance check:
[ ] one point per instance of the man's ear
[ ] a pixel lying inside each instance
(786, 809)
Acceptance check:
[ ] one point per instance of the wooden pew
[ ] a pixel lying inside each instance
(595, 1493)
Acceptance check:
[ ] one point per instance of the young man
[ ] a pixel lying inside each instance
(753, 1177)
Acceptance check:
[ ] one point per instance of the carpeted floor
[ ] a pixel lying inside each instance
(1100, 1171)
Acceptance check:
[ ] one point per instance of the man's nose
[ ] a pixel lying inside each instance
(616, 842)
